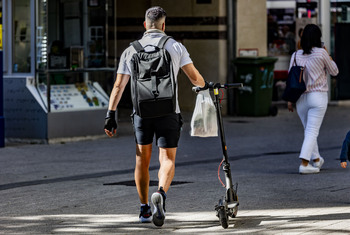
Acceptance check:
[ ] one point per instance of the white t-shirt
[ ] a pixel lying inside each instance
(178, 52)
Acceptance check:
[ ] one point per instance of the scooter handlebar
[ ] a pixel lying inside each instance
(212, 85)
(232, 85)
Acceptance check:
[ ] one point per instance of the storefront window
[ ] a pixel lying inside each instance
(71, 54)
(281, 32)
(21, 36)
(69, 28)
(96, 41)
(340, 12)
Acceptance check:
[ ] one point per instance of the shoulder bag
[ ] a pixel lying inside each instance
(295, 82)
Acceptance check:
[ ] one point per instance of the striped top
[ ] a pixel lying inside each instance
(317, 65)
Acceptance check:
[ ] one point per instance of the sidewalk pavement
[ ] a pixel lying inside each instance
(86, 187)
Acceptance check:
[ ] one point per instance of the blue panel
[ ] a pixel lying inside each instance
(24, 117)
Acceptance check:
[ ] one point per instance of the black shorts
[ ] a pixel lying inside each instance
(166, 129)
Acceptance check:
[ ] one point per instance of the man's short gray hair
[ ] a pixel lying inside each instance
(154, 14)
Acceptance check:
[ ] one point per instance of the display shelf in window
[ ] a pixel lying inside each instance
(75, 97)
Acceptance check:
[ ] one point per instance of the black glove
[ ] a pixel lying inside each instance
(110, 123)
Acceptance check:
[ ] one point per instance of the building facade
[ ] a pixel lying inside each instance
(60, 56)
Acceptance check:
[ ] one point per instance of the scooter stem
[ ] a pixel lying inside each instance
(226, 164)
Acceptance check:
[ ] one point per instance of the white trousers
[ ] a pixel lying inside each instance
(311, 108)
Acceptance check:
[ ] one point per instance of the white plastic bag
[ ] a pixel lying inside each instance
(204, 120)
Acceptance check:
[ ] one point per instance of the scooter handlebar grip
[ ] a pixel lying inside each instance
(233, 85)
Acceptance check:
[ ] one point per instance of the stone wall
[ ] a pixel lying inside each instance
(252, 26)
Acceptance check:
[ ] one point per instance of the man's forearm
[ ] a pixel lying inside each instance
(114, 98)
(193, 74)
(118, 89)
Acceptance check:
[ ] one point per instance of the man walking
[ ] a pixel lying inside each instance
(166, 128)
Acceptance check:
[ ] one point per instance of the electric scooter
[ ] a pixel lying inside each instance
(228, 205)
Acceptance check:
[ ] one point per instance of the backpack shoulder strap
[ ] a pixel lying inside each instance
(137, 45)
(163, 40)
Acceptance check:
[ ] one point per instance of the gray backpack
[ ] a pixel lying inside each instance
(152, 81)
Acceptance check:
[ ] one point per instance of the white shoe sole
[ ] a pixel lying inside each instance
(145, 220)
(158, 213)
(304, 171)
(308, 170)
(307, 173)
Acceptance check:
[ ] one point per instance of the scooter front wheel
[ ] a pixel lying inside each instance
(223, 217)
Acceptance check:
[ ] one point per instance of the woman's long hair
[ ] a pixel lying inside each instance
(311, 38)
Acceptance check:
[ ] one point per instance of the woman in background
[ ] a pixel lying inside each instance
(312, 105)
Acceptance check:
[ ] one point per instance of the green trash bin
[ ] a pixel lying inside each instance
(255, 97)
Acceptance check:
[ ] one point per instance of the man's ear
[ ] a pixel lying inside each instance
(144, 24)
(163, 27)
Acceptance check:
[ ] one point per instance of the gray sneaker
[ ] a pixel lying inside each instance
(308, 169)
(158, 201)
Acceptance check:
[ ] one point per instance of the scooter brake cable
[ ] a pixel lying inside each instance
(219, 174)
(222, 95)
